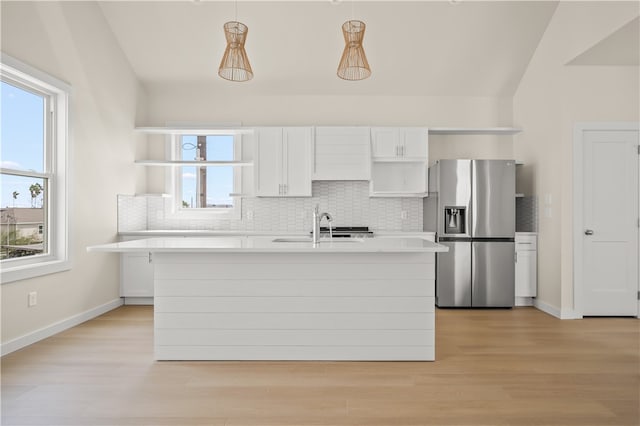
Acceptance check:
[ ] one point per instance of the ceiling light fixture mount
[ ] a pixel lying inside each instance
(353, 63)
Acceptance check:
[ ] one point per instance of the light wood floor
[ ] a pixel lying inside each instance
(494, 367)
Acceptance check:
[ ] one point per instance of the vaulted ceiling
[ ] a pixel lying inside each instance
(431, 48)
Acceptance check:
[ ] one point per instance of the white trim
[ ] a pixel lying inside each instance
(569, 314)
(523, 301)
(138, 301)
(55, 328)
(546, 308)
(46, 265)
(578, 218)
(57, 170)
(168, 163)
(28, 72)
(204, 131)
(474, 130)
(173, 185)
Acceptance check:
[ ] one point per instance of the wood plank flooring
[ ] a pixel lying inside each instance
(493, 367)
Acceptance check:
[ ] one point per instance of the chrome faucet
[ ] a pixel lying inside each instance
(317, 218)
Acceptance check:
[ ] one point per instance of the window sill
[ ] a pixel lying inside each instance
(33, 270)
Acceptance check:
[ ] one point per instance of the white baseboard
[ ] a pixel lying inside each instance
(564, 314)
(569, 314)
(524, 301)
(138, 300)
(546, 308)
(43, 333)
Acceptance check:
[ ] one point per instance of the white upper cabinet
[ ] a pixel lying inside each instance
(415, 143)
(267, 145)
(399, 143)
(398, 179)
(296, 169)
(282, 161)
(341, 153)
(385, 142)
(399, 161)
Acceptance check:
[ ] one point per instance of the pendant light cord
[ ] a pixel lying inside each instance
(236, 4)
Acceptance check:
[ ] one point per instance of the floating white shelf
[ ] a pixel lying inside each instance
(473, 130)
(194, 131)
(159, 195)
(518, 195)
(398, 160)
(192, 163)
(396, 194)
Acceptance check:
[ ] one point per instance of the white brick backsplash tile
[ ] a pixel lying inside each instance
(132, 213)
(347, 201)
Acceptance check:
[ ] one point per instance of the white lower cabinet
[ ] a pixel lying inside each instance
(526, 268)
(136, 278)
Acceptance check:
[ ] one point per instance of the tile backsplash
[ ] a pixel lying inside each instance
(526, 214)
(347, 201)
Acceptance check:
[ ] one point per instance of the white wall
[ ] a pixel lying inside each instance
(200, 103)
(72, 42)
(551, 98)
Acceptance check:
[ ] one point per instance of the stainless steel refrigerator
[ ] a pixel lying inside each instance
(471, 207)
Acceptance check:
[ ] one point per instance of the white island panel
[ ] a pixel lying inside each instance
(294, 306)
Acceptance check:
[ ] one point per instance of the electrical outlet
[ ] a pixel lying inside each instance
(33, 298)
(249, 214)
(404, 215)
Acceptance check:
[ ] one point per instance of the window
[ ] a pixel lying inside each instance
(33, 175)
(208, 188)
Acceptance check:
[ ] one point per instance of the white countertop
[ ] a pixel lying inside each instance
(201, 233)
(239, 233)
(253, 244)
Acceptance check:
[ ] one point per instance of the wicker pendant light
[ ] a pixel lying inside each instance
(353, 64)
(235, 62)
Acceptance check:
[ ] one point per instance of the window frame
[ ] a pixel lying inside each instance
(56, 171)
(174, 184)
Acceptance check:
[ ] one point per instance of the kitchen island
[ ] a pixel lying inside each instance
(266, 298)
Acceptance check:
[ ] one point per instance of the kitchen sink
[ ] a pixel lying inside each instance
(322, 241)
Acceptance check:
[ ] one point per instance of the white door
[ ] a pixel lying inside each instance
(610, 212)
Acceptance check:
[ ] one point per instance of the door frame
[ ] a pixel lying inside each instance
(578, 216)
